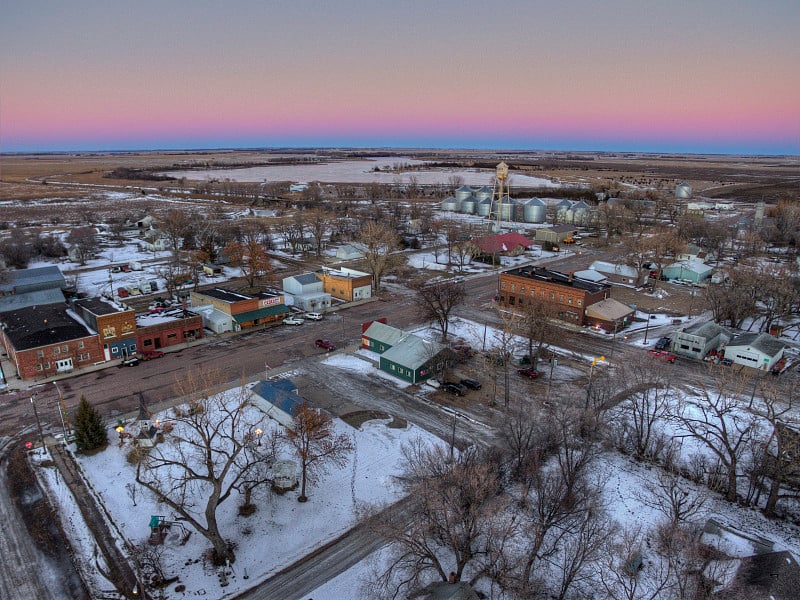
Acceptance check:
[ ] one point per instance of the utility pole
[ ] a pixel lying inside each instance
(62, 411)
(647, 326)
(38, 422)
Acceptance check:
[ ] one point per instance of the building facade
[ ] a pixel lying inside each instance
(114, 323)
(347, 284)
(566, 296)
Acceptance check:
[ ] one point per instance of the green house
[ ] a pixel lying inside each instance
(404, 355)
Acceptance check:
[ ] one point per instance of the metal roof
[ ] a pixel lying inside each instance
(412, 351)
(260, 313)
(608, 310)
(541, 274)
(607, 267)
(36, 278)
(281, 394)
(224, 295)
(37, 326)
(34, 298)
(763, 342)
(384, 333)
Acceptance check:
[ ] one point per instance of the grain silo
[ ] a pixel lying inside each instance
(463, 193)
(506, 209)
(534, 211)
(450, 204)
(483, 208)
(483, 193)
(578, 213)
(467, 205)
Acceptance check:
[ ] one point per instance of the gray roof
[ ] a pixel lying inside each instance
(590, 275)
(384, 333)
(35, 298)
(37, 326)
(763, 342)
(694, 266)
(542, 274)
(609, 310)
(99, 306)
(306, 278)
(707, 330)
(607, 267)
(38, 278)
(225, 295)
(535, 202)
(412, 351)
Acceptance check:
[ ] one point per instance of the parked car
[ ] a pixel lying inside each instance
(472, 384)
(454, 388)
(293, 321)
(528, 372)
(130, 361)
(434, 383)
(314, 316)
(662, 354)
(151, 354)
(327, 345)
(663, 343)
(726, 361)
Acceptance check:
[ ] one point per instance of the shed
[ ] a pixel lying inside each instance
(699, 339)
(756, 350)
(609, 314)
(693, 270)
(279, 400)
(214, 319)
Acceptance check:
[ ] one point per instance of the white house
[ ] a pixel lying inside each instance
(620, 274)
(214, 319)
(308, 292)
(756, 350)
(350, 252)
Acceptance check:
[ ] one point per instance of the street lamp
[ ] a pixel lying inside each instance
(120, 430)
(258, 434)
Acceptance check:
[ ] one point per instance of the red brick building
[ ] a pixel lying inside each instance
(114, 323)
(169, 328)
(566, 296)
(48, 339)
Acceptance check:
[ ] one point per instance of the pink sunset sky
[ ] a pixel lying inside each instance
(704, 76)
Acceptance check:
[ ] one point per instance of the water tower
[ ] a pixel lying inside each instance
(498, 194)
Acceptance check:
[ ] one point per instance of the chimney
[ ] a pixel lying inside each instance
(571, 273)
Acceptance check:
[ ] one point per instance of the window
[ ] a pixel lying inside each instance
(56, 350)
(513, 287)
(684, 346)
(503, 285)
(39, 367)
(580, 302)
(147, 343)
(552, 295)
(109, 332)
(569, 300)
(80, 345)
(522, 289)
(561, 298)
(64, 348)
(40, 354)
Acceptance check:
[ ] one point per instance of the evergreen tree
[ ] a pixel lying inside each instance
(90, 433)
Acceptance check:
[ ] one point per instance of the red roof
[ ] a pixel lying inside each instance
(505, 242)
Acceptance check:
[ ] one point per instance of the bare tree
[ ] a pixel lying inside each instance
(673, 497)
(537, 327)
(84, 242)
(455, 518)
(317, 444)
(437, 301)
(206, 457)
(252, 258)
(379, 243)
(719, 421)
(628, 575)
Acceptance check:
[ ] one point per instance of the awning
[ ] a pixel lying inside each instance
(261, 313)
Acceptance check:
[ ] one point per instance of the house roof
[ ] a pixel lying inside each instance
(33, 277)
(763, 342)
(608, 309)
(260, 313)
(707, 330)
(36, 326)
(504, 242)
(384, 333)
(306, 278)
(224, 295)
(282, 394)
(590, 275)
(34, 298)
(693, 266)
(614, 269)
(412, 351)
(774, 575)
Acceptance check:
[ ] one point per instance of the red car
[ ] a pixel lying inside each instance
(325, 344)
(150, 354)
(528, 372)
(662, 354)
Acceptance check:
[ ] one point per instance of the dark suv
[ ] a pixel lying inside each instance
(472, 384)
(454, 388)
(663, 343)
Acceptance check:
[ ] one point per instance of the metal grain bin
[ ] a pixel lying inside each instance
(483, 193)
(450, 204)
(463, 193)
(534, 211)
(484, 207)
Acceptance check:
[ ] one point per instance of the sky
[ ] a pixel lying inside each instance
(714, 76)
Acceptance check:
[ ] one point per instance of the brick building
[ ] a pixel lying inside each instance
(565, 295)
(169, 328)
(46, 340)
(346, 284)
(114, 323)
(245, 309)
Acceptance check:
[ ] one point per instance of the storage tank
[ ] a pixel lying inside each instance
(683, 190)
(506, 209)
(467, 206)
(450, 204)
(483, 193)
(463, 193)
(534, 211)
(484, 207)
(578, 213)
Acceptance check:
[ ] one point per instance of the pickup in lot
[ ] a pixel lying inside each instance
(528, 372)
(293, 321)
(325, 344)
(662, 354)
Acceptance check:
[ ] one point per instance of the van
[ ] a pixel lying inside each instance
(314, 316)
